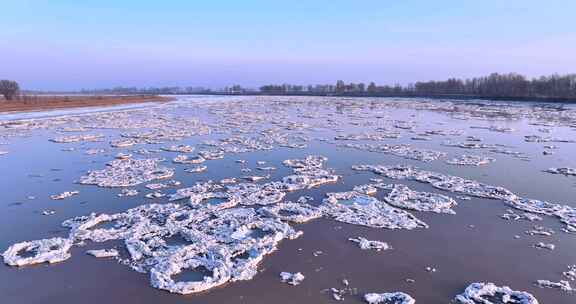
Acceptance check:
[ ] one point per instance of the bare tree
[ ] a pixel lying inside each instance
(9, 89)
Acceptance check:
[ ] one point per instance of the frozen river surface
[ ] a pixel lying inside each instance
(210, 199)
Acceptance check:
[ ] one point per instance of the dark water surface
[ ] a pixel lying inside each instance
(475, 245)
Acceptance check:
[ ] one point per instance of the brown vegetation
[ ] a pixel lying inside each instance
(39, 102)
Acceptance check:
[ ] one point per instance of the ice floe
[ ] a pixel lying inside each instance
(292, 278)
(360, 209)
(103, 253)
(487, 293)
(459, 185)
(562, 285)
(563, 171)
(365, 244)
(403, 197)
(401, 150)
(291, 212)
(389, 297)
(63, 195)
(127, 172)
(77, 138)
(41, 251)
(470, 160)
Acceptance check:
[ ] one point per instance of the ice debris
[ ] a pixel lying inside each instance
(459, 185)
(570, 273)
(389, 297)
(292, 278)
(562, 285)
(42, 251)
(77, 138)
(403, 197)
(360, 209)
(210, 232)
(564, 171)
(196, 169)
(401, 150)
(179, 148)
(64, 195)
(291, 212)
(103, 253)
(127, 172)
(470, 160)
(489, 293)
(185, 159)
(545, 246)
(128, 192)
(365, 244)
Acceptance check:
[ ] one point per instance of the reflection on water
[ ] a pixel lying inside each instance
(474, 245)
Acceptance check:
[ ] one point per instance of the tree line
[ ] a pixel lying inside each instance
(509, 85)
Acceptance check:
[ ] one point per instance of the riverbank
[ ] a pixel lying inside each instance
(40, 103)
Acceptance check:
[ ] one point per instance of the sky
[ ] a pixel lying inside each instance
(71, 44)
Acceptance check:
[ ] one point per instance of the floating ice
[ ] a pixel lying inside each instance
(360, 209)
(94, 151)
(215, 235)
(268, 168)
(562, 285)
(185, 159)
(381, 135)
(155, 194)
(389, 297)
(291, 212)
(77, 138)
(196, 169)
(127, 172)
(401, 150)
(43, 251)
(486, 293)
(179, 148)
(213, 259)
(570, 273)
(403, 197)
(123, 143)
(211, 155)
(539, 230)
(566, 214)
(511, 215)
(543, 139)
(564, 171)
(467, 145)
(214, 200)
(309, 162)
(254, 194)
(365, 244)
(63, 195)
(255, 178)
(229, 243)
(103, 253)
(128, 192)
(231, 180)
(470, 160)
(48, 212)
(545, 246)
(292, 278)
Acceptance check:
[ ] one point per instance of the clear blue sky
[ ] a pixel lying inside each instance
(93, 44)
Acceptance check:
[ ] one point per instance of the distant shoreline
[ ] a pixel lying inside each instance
(438, 96)
(44, 102)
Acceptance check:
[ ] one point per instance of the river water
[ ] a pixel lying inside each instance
(473, 245)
